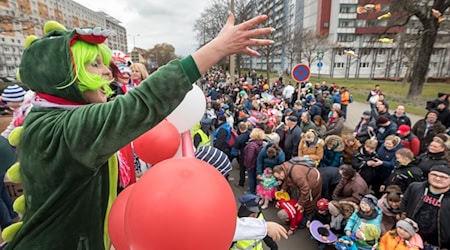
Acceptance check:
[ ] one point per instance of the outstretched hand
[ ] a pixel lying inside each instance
(276, 231)
(233, 39)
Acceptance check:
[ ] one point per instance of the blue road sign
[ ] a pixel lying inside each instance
(320, 64)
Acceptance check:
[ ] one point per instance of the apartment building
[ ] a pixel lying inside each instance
(347, 31)
(21, 18)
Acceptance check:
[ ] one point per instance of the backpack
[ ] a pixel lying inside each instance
(233, 137)
(351, 98)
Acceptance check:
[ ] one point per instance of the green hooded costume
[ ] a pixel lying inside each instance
(67, 153)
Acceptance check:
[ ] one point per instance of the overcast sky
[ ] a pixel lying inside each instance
(152, 22)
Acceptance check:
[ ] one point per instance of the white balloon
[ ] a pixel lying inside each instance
(190, 111)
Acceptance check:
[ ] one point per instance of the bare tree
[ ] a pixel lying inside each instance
(161, 53)
(430, 25)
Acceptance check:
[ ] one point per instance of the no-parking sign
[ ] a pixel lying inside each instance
(301, 72)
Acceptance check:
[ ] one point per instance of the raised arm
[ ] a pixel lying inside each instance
(232, 39)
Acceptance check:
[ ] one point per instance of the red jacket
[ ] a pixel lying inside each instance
(295, 217)
(412, 142)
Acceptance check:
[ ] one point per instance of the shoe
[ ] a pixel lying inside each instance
(264, 206)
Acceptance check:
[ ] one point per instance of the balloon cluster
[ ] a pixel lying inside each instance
(179, 203)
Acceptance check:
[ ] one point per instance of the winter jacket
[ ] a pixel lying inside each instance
(444, 117)
(291, 142)
(356, 220)
(412, 201)
(308, 182)
(401, 120)
(295, 217)
(330, 179)
(362, 131)
(349, 151)
(383, 132)
(405, 175)
(412, 142)
(221, 137)
(388, 220)
(263, 161)
(305, 126)
(351, 190)
(315, 109)
(332, 157)
(359, 162)
(388, 158)
(427, 159)
(335, 127)
(251, 152)
(312, 150)
(391, 241)
(419, 130)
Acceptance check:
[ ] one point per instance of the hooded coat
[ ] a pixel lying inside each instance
(332, 157)
(67, 158)
(307, 180)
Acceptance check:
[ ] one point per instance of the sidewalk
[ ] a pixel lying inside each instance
(355, 110)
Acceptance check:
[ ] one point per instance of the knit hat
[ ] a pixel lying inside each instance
(371, 232)
(367, 112)
(288, 110)
(251, 202)
(13, 93)
(441, 168)
(382, 120)
(322, 204)
(242, 93)
(370, 200)
(408, 225)
(403, 129)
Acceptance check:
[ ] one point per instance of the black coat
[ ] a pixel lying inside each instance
(359, 162)
(412, 202)
(291, 142)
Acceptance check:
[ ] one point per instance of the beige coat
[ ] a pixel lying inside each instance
(314, 152)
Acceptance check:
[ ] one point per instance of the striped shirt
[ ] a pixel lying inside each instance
(214, 157)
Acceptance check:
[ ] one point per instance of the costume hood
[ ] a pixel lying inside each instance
(47, 63)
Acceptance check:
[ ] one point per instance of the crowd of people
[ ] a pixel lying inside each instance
(383, 185)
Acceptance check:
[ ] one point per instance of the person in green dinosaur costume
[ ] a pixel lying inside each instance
(68, 141)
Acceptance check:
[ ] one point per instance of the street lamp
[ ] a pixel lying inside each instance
(134, 39)
(320, 54)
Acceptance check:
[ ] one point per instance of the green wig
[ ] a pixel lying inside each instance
(84, 53)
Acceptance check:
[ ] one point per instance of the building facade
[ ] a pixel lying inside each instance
(21, 18)
(347, 31)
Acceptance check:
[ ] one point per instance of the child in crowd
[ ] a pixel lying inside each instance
(403, 237)
(267, 188)
(19, 102)
(321, 213)
(289, 214)
(250, 208)
(337, 222)
(358, 227)
(332, 152)
(390, 205)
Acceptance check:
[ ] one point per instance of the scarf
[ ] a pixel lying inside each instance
(336, 222)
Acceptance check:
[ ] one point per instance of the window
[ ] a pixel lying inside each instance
(347, 8)
(340, 52)
(364, 65)
(373, 23)
(346, 37)
(364, 52)
(339, 65)
(6, 49)
(8, 58)
(381, 52)
(12, 40)
(380, 65)
(360, 23)
(346, 23)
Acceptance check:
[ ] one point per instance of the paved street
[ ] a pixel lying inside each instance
(355, 110)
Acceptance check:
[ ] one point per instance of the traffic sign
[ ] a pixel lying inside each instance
(300, 72)
(319, 65)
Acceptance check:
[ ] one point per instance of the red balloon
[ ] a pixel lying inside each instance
(116, 220)
(158, 144)
(181, 203)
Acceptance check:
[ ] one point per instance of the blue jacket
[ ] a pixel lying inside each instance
(263, 161)
(331, 158)
(336, 98)
(388, 158)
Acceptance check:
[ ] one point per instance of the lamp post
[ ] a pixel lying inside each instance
(320, 54)
(134, 39)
